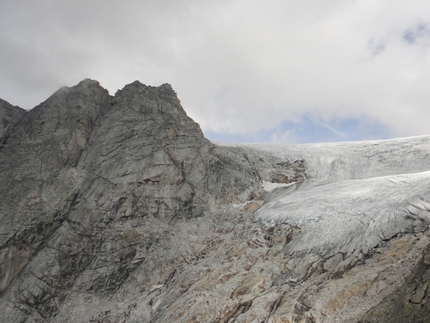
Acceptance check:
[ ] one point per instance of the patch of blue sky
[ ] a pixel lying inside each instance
(411, 36)
(311, 130)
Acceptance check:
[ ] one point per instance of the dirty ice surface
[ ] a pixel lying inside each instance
(355, 195)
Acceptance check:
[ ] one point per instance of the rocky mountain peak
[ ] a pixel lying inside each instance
(88, 83)
(87, 171)
(150, 99)
(117, 209)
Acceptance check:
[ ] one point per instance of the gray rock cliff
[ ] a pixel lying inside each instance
(9, 116)
(83, 171)
(117, 209)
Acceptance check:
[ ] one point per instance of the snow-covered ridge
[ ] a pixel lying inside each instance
(356, 194)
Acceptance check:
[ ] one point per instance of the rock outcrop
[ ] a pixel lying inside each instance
(408, 303)
(117, 209)
(9, 116)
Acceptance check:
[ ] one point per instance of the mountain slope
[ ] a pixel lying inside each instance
(117, 209)
(82, 170)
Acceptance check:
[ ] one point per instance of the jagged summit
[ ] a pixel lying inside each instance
(85, 86)
(116, 208)
(165, 86)
(150, 99)
(88, 82)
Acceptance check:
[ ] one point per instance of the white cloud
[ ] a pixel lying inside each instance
(238, 66)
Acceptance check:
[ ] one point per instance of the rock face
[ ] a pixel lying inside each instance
(117, 209)
(9, 116)
(410, 302)
(84, 173)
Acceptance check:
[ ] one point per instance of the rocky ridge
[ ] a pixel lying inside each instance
(117, 209)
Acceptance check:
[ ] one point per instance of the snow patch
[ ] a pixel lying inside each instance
(269, 187)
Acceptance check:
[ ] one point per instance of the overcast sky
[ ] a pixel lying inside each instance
(247, 71)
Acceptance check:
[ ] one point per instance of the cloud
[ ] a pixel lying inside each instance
(242, 68)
